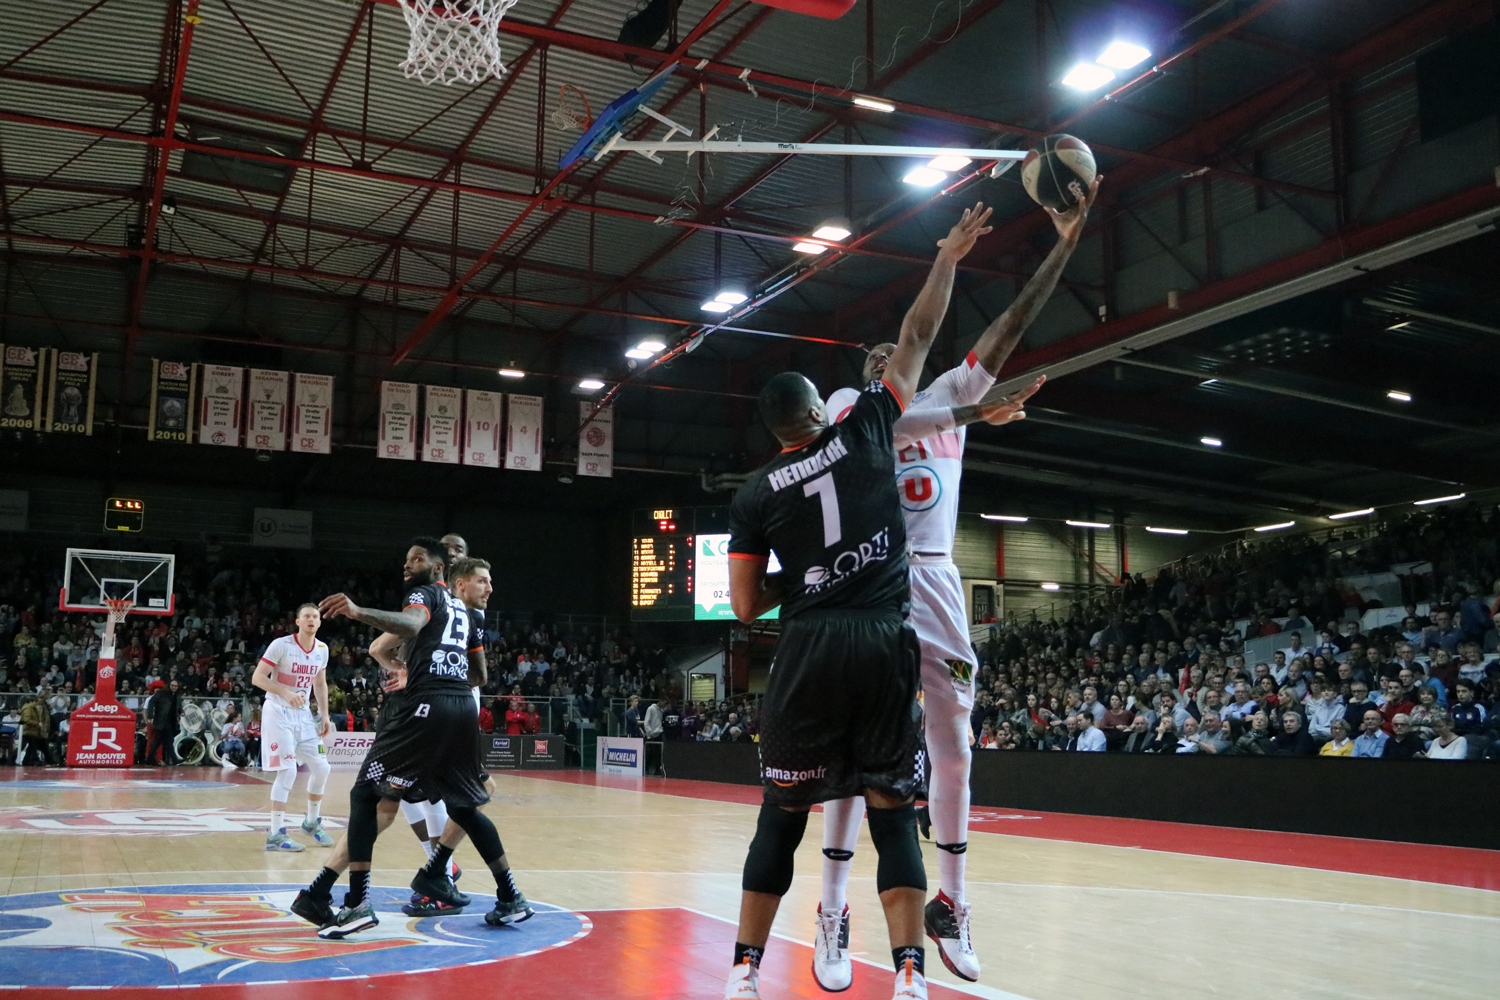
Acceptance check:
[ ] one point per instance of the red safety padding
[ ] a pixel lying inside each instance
(830, 9)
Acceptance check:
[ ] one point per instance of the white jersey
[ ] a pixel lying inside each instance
(295, 667)
(928, 471)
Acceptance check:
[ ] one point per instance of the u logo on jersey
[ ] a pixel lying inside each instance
(920, 488)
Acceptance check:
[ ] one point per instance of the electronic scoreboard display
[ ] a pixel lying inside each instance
(679, 566)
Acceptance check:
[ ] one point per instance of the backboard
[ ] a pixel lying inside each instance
(92, 575)
(611, 120)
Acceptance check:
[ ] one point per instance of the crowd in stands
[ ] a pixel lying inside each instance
(1160, 666)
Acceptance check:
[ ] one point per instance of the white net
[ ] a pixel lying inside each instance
(454, 41)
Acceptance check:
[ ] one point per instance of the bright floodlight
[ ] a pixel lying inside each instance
(636, 354)
(1005, 517)
(833, 232)
(1051, 586)
(924, 177)
(1399, 396)
(809, 247)
(1211, 442)
(1277, 527)
(1433, 500)
(950, 163)
(1351, 513)
(715, 306)
(512, 373)
(1123, 55)
(651, 345)
(1166, 531)
(1087, 76)
(874, 104)
(590, 384)
(732, 297)
(1097, 525)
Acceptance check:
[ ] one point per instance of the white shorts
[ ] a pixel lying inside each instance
(476, 698)
(938, 615)
(287, 736)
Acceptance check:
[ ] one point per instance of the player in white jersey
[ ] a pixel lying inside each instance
(293, 669)
(929, 464)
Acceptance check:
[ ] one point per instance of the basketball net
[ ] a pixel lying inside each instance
(453, 41)
(118, 608)
(573, 113)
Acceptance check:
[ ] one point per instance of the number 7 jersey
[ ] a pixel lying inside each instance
(829, 510)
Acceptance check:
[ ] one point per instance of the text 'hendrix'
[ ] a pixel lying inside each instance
(810, 466)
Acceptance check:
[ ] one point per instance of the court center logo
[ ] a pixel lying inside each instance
(140, 822)
(190, 935)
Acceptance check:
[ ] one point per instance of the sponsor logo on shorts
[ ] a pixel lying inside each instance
(786, 779)
(396, 781)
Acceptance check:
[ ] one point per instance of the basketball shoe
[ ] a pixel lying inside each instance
(948, 926)
(509, 911)
(316, 910)
(831, 965)
(438, 887)
(317, 833)
(744, 983)
(909, 983)
(350, 919)
(279, 841)
(426, 906)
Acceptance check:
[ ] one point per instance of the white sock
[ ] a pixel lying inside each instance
(841, 820)
(948, 796)
(314, 810)
(427, 849)
(278, 817)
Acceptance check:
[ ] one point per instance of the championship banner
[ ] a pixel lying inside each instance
(312, 413)
(172, 387)
(482, 428)
(267, 418)
(221, 406)
(596, 441)
(398, 421)
(21, 387)
(440, 433)
(523, 434)
(70, 397)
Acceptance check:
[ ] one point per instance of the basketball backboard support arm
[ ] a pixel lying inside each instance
(648, 148)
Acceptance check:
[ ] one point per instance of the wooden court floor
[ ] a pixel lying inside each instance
(153, 879)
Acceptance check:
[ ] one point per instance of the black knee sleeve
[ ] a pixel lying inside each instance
(837, 854)
(768, 866)
(363, 826)
(480, 830)
(894, 832)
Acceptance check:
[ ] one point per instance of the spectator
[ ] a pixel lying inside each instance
(1256, 740)
(36, 729)
(1339, 745)
(1447, 744)
(1089, 739)
(1211, 736)
(1326, 708)
(1467, 716)
(1405, 743)
(232, 741)
(1138, 738)
(1394, 702)
(1293, 740)
(633, 718)
(1358, 704)
(1372, 738)
(653, 724)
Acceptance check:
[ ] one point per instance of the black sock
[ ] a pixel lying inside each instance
(359, 887)
(748, 953)
(916, 953)
(437, 865)
(324, 883)
(505, 885)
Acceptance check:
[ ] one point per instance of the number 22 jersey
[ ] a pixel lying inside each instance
(830, 512)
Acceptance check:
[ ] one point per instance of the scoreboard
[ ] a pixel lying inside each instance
(679, 565)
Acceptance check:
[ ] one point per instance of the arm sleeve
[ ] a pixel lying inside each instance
(919, 425)
(747, 538)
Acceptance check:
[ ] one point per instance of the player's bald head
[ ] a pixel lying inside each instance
(457, 547)
(791, 408)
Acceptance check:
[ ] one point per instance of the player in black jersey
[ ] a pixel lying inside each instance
(430, 742)
(840, 711)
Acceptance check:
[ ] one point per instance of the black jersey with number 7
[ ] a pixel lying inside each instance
(830, 512)
(437, 657)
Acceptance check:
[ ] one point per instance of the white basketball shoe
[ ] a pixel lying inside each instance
(909, 983)
(832, 968)
(948, 926)
(744, 983)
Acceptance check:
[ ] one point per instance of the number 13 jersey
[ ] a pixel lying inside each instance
(437, 657)
(830, 512)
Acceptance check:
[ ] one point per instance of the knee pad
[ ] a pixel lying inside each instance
(281, 788)
(481, 832)
(413, 813)
(317, 777)
(364, 825)
(894, 832)
(768, 866)
(436, 814)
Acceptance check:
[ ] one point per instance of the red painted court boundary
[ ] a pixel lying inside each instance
(1460, 866)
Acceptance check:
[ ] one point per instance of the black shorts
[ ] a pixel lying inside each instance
(840, 713)
(427, 748)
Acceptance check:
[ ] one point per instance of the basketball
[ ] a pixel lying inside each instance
(1059, 173)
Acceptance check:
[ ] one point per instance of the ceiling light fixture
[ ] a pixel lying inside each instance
(1277, 527)
(1212, 442)
(1005, 517)
(1402, 325)
(873, 104)
(1051, 586)
(1447, 499)
(590, 384)
(1351, 513)
(1166, 531)
(715, 306)
(1087, 76)
(1399, 396)
(924, 177)
(949, 162)
(1123, 55)
(512, 373)
(1098, 525)
(834, 231)
(636, 354)
(809, 247)
(654, 346)
(732, 296)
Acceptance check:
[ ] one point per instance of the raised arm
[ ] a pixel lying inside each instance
(994, 407)
(404, 624)
(1001, 337)
(920, 326)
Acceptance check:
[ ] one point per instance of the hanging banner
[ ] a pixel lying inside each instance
(523, 434)
(172, 385)
(267, 417)
(440, 430)
(21, 387)
(596, 441)
(482, 428)
(70, 397)
(221, 407)
(312, 413)
(398, 421)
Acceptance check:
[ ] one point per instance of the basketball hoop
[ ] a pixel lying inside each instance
(573, 113)
(453, 41)
(118, 608)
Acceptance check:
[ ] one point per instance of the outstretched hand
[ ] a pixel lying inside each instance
(998, 408)
(1070, 223)
(336, 605)
(966, 231)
